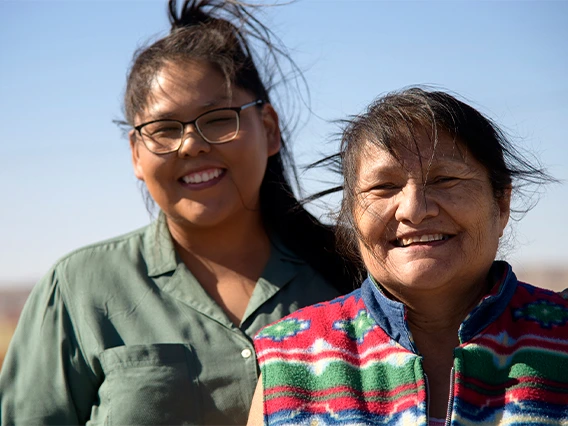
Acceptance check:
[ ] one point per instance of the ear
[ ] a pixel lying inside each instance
(504, 204)
(134, 148)
(272, 129)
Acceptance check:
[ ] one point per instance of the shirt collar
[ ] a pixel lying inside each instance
(161, 258)
(391, 314)
(493, 303)
(282, 267)
(158, 248)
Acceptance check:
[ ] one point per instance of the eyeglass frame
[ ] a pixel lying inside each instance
(238, 110)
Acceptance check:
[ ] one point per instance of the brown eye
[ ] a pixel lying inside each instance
(443, 179)
(165, 129)
(386, 186)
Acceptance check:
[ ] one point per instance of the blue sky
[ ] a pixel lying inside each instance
(65, 173)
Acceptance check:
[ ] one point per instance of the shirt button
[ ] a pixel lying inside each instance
(246, 353)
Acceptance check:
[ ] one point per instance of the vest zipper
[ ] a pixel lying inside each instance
(427, 398)
(451, 400)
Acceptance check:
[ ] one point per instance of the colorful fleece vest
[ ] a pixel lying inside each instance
(351, 361)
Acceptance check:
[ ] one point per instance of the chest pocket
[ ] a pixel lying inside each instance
(149, 385)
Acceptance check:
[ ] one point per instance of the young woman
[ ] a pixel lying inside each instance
(440, 333)
(155, 327)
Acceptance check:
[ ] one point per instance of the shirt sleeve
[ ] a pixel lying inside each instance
(45, 378)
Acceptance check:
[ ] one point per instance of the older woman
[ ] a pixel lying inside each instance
(440, 332)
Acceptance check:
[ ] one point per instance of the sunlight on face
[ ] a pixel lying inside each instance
(202, 184)
(428, 221)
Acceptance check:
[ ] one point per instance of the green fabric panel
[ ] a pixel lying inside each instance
(121, 332)
(525, 363)
(378, 376)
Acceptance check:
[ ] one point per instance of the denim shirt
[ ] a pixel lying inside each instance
(390, 314)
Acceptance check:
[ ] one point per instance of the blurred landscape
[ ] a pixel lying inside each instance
(14, 295)
(12, 299)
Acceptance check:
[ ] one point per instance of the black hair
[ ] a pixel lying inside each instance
(219, 32)
(395, 119)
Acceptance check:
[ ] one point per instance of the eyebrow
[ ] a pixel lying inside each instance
(394, 166)
(456, 161)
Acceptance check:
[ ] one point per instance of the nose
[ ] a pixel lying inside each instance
(192, 144)
(414, 204)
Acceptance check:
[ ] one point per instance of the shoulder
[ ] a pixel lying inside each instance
(126, 244)
(97, 268)
(316, 318)
(538, 311)
(528, 293)
(305, 283)
(339, 328)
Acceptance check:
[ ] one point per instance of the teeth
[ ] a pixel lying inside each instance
(421, 239)
(201, 177)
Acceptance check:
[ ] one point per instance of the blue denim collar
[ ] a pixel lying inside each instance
(390, 315)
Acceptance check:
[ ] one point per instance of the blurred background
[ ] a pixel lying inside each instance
(65, 173)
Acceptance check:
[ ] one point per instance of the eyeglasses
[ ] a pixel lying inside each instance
(215, 126)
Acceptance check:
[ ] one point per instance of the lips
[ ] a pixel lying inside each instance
(202, 176)
(420, 239)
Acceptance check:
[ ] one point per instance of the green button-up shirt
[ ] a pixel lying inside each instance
(121, 332)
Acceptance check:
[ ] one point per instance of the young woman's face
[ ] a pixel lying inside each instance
(204, 184)
(425, 222)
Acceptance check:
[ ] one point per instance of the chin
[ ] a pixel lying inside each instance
(426, 274)
(422, 282)
(196, 218)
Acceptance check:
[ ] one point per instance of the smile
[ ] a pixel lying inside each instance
(404, 242)
(202, 176)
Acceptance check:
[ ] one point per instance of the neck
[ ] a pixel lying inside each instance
(434, 316)
(237, 238)
(441, 311)
(226, 259)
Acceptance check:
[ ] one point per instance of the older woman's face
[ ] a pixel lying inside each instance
(430, 220)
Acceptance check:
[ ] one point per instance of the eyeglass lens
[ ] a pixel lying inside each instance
(216, 126)
(219, 126)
